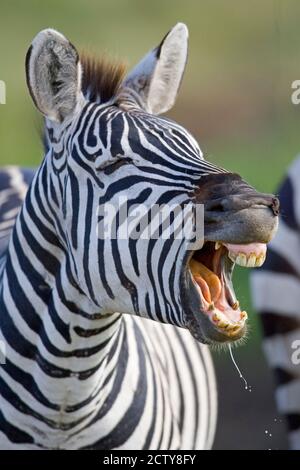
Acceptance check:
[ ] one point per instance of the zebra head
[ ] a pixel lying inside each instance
(109, 153)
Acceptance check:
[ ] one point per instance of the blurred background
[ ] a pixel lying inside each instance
(235, 99)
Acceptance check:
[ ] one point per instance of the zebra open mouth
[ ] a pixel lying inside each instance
(210, 270)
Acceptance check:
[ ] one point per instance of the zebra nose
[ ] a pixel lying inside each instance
(227, 192)
(241, 201)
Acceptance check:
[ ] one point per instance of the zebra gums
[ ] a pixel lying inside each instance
(78, 373)
(276, 295)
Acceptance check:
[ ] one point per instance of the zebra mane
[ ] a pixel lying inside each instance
(101, 77)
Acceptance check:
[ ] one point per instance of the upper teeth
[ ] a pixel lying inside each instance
(249, 261)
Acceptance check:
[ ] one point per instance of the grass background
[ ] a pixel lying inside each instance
(236, 94)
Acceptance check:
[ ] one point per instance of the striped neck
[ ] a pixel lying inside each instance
(49, 321)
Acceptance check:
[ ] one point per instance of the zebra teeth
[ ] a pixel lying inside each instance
(241, 259)
(251, 260)
(244, 315)
(232, 256)
(260, 261)
(247, 261)
(221, 321)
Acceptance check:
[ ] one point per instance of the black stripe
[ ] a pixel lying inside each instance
(179, 384)
(132, 242)
(277, 264)
(87, 333)
(13, 433)
(86, 242)
(47, 259)
(28, 382)
(286, 197)
(194, 382)
(278, 324)
(75, 206)
(283, 377)
(117, 130)
(154, 409)
(128, 423)
(293, 421)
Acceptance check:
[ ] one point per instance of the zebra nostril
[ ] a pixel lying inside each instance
(275, 205)
(215, 206)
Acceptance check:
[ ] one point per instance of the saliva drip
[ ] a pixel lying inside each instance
(247, 387)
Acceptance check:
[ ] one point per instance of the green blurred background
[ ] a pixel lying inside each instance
(235, 98)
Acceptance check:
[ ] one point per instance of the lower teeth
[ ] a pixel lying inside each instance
(222, 322)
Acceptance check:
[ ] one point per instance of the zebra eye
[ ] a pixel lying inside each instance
(115, 166)
(109, 166)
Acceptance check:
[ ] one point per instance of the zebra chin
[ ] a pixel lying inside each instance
(212, 311)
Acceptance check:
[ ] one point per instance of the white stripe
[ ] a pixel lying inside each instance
(213, 395)
(294, 438)
(278, 293)
(294, 174)
(17, 180)
(287, 244)
(288, 397)
(279, 351)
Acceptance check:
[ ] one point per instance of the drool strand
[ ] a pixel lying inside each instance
(247, 387)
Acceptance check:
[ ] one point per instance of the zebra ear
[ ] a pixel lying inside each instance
(53, 75)
(156, 79)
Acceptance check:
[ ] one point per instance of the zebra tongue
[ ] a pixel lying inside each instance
(207, 280)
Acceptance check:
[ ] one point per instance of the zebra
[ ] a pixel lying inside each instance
(107, 339)
(275, 292)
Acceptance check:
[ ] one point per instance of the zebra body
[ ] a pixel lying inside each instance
(77, 375)
(276, 295)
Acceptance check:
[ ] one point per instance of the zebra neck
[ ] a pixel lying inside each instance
(47, 321)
